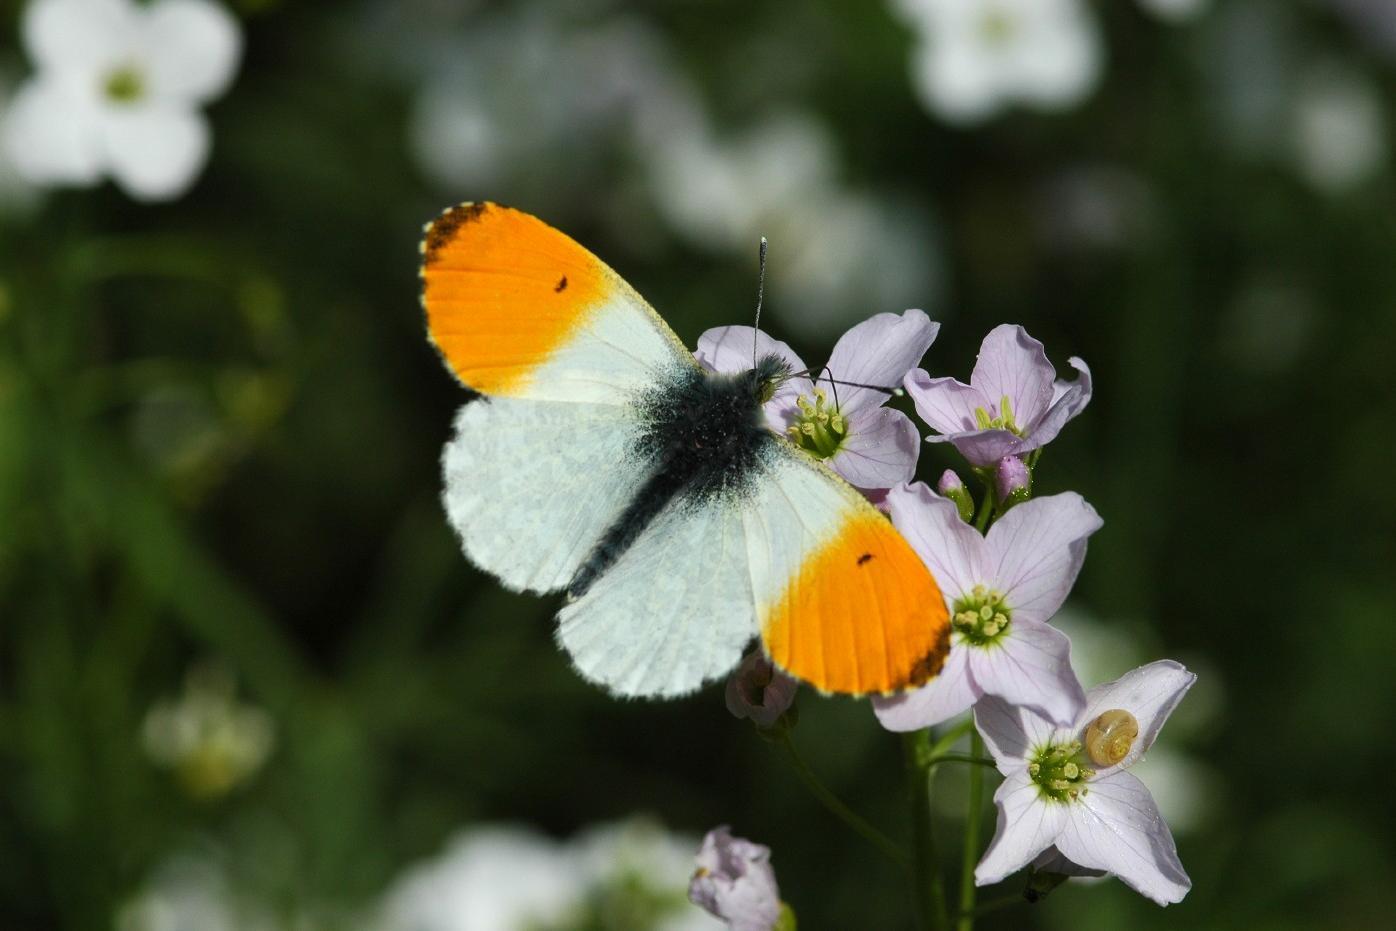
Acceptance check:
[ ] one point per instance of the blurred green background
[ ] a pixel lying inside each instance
(220, 426)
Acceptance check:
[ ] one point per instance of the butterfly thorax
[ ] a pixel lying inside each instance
(705, 436)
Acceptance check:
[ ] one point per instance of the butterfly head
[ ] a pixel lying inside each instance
(770, 373)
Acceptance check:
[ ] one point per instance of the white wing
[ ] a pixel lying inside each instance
(531, 486)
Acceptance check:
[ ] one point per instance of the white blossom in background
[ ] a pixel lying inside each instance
(211, 741)
(1176, 11)
(117, 92)
(17, 196)
(510, 878)
(192, 893)
(974, 58)
(1338, 128)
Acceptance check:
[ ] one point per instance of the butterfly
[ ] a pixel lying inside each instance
(601, 460)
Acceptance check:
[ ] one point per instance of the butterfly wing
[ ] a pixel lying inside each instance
(838, 596)
(518, 309)
(559, 346)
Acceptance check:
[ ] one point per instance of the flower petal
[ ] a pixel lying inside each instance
(945, 404)
(50, 135)
(1036, 551)
(1010, 731)
(735, 882)
(1150, 693)
(1052, 861)
(78, 38)
(1027, 825)
(953, 550)
(984, 448)
(1069, 398)
(880, 449)
(1031, 666)
(948, 694)
(1116, 827)
(1012, 364)
(879, 351)
(155, 152)
(192, 48)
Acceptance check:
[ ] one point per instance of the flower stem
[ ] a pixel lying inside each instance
(986, 507)
(993, 905)
(970, 854)
(836, 806)
(970, 758)
(926, 882)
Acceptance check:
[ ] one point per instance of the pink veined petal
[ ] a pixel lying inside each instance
(1116, 827)
(1036, 551)
(730, 349)
(736, 882)
(1031, 666)
(1014, 365)
(1150, 693)
(51, 135)
(1052, 861)
(1027, 825)
(953, 550)
(155, 152)
(1068, 400)
(880, 449)
(948, 694)
(1010, 732)
(946, 405)
(78, 38)
(191, 47)
(984, 448)
(879, 351)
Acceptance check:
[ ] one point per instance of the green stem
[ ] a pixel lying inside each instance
(970, 854)
(992, 905)
(976, 761)
(836, 806)
(951, 737)
(986, 507)
(926, 882)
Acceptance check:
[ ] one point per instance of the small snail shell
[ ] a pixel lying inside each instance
(1110, 736)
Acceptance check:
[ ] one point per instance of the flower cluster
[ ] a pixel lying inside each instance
(1067, 805)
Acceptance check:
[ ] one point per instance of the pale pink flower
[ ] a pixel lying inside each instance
(1068, 803)
(870, 445)
(1012, 405)
(759, 692)
(735, 882)
(1000, 589)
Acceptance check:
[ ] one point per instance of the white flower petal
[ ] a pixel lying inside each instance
(948, 694)
(879, 351)
(1116, 827)
(1036, 551)
(1052, 861)
(191, 48)
(1010, 731)
(1069, 398)
(1031, 666)
(945, 404)
(1150, 693)
(155, 152)
(1027, 825)
(880, 449)
(78, 38)
(953, 550)
(51, 135)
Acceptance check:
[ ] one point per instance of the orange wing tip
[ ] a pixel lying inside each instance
(440, 232)
(861, 616)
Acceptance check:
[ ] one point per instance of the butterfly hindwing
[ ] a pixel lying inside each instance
(518, 309)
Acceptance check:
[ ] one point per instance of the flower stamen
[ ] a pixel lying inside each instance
(819, 427)
(980, 616)
(1059, 771)
(1004, 420)
(124, 85)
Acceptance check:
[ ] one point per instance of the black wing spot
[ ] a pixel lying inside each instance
(443, 228)
(864, 558)
(561, 285)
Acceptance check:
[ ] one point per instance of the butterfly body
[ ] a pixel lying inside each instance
(604, 462)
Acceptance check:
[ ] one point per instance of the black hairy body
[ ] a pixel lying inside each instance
(705, 437)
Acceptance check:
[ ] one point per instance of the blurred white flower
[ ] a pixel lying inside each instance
(191, 893)
(975, 57)
(117, 91)
(632, 874)
(1339, 132)
(212, 742)
(1176, 11)
(17, 196)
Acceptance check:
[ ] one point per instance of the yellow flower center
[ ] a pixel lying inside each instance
(1059, 772)
(818, 427)
(980, 616)
(124, 85)
(984, 420)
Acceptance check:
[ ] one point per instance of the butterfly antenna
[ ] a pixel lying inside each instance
(760, 294)
(894, 392)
